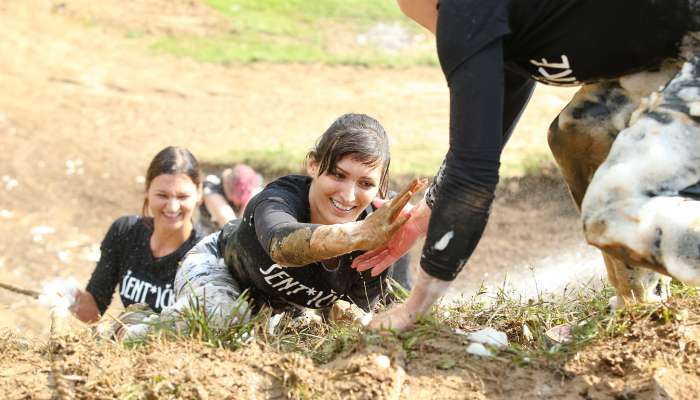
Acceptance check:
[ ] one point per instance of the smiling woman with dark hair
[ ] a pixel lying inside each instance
(140, 254)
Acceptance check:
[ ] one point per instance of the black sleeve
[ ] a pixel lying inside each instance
(212, 185)
(105, 277)
(275, 218)
(518, 91)
(463, 190)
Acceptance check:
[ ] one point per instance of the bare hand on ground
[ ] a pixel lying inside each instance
(424, 294)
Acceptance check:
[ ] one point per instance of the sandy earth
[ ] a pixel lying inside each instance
(82, 110)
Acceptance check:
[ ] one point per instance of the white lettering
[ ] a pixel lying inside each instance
(272, 268)
(562, 74)
(129, 288)
(319, 294)
(320, 304)
(298, 289)
(269, 279)
(124, 282)
(286, 284)
(170, 295)
(147, 288)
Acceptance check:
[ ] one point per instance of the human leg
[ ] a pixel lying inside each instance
(205, 281)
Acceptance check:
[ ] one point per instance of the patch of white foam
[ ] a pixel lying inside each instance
(74, 167)
(38, 232)
(478, 349)
(382, 361)
(444, 241)
(273, 322)
(59, 295)
(9, 182)
(92, 253)
(489, 336)
(579, 266)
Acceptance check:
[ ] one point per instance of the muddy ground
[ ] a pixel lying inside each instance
(82, 110)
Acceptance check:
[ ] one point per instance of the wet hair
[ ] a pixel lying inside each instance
(172, 160)
(356, 135)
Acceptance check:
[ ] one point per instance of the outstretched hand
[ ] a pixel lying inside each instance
(382, 224)
(381, 258)
(403, 316)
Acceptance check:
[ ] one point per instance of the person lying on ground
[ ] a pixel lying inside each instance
(140, 254)
(226, 196)
(293, 247)
(491, 53)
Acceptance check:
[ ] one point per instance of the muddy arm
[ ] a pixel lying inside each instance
(291, 243)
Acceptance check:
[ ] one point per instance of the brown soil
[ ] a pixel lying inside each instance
(83, 108)
(651, 360)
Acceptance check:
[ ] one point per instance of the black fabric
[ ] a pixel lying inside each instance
(593, 39)
(213, 184)
(127, 262)
(490, 51)
(279, 210)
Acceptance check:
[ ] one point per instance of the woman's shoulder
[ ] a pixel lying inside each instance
(128, 223)
(291, 191)
(295, 185)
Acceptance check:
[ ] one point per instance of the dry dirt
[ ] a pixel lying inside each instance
(82, 110)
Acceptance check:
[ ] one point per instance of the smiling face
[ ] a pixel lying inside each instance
(340, 195)
(171, 201)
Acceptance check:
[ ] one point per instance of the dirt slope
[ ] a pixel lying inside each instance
(83, 108)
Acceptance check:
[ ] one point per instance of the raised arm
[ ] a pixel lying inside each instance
(219, 209)
(291, 243)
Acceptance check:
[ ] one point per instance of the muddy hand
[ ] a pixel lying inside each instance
(400, 243)
(379, 226)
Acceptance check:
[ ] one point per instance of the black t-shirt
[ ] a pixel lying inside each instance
(490, 51)
(279, 210)
(127, 262)
(568, 42)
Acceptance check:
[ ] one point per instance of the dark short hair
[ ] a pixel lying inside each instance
(356, 135)
(172, 160)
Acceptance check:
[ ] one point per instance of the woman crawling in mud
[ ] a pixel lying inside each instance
(294, 246)
(635, 208)
(140, 254)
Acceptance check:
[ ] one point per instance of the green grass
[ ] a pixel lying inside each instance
(585, 310)
(281, 31)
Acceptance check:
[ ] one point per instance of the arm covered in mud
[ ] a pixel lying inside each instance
(291, 243)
